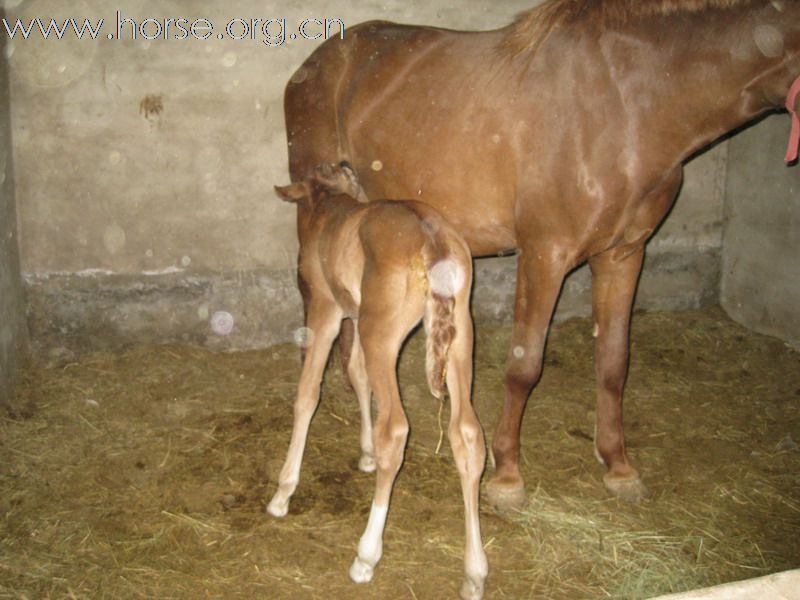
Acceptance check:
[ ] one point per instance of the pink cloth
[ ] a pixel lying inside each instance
(794, 136)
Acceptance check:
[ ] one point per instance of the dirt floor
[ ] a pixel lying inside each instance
(145, 474)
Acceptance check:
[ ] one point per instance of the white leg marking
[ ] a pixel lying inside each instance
(370, 547)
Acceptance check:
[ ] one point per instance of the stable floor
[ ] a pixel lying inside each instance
(144, 473)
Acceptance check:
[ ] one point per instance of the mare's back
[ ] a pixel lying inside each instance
(409, 107)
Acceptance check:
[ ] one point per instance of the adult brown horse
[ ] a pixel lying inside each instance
(563, 136)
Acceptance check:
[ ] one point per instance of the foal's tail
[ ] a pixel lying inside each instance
(445, 278)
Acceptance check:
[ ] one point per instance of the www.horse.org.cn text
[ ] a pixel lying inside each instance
(270, 31)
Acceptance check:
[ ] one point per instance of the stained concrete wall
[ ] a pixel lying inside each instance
(13, 329)
(761, 268)
(144, 175)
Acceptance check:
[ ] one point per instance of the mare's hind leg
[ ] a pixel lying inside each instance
(614, 280)
(382, 330)
(323, 320)
(469, 449)
(538, 283)
(357, 372)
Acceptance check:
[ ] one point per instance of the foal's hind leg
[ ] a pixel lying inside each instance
(613, 286)
(357, 371)
(323, 320)
(381, 335)
(469, 449)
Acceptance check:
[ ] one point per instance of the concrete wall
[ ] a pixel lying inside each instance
(144, 175)
(13, 330)
(761, 264)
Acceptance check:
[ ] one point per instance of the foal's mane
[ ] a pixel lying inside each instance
(532, 27)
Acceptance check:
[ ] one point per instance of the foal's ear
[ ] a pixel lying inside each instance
(294, 192)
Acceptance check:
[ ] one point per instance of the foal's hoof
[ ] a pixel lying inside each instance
(503, 497)
(278, 507)
(471, 591)
(628, 489)
(366, 464)
(361, 571)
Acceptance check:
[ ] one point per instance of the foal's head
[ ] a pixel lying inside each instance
(324, 181)
(339, 179)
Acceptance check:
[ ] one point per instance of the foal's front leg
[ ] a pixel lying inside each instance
(323, 321)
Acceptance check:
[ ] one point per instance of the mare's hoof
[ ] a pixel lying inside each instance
(628, 489)
(503, 496)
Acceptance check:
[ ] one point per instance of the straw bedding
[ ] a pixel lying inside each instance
(144, 473)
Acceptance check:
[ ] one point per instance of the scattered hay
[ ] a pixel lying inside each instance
(144, 474)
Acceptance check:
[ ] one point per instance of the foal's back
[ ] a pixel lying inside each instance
(400, 240)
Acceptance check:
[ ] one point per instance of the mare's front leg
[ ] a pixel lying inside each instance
(614, 277)
(469, 449)
(539, 278)
(323, 320)
(615, 274)
(357, 372)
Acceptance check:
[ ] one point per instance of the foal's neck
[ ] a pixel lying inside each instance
(324, 208)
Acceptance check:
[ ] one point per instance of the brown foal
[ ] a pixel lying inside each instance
(386, 266)
(562, 135)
